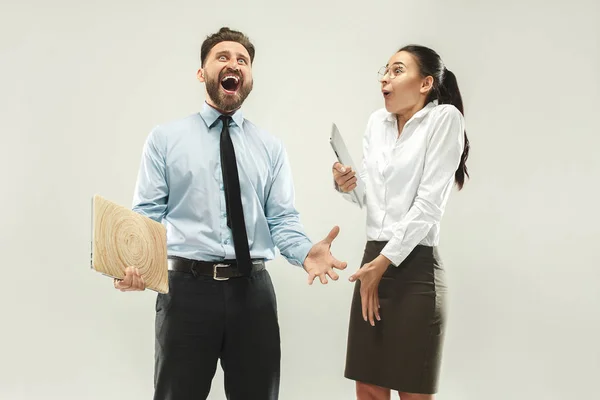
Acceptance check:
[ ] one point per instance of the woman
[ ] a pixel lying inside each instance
(414, 151)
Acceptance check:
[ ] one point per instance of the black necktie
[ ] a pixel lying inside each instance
(233, 199)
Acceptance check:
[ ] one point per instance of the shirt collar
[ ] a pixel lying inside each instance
(419, 114)
(211, 115)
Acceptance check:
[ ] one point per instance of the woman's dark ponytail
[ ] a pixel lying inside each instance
(449, 93)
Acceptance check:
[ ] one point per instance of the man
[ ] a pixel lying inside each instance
(223, 188)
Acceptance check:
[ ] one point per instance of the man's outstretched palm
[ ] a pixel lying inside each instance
(320, 262)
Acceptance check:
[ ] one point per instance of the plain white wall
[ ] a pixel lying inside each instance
(82, 84)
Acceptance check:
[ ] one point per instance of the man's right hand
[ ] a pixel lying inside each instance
(344, 177)
(133, 281)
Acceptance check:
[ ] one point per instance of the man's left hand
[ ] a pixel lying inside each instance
(320, 262)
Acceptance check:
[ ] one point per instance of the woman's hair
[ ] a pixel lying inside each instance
(445, 90)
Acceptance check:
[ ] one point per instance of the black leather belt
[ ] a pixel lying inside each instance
(220, 271)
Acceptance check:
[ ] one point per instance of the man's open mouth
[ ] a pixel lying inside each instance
(230, 83)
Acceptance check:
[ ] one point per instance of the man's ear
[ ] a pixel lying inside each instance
(200, 75)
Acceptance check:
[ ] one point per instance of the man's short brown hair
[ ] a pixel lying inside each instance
(225, 35)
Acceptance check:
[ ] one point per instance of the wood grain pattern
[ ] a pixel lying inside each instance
(121, 237)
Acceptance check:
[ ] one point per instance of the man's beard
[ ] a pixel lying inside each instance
(227, 102)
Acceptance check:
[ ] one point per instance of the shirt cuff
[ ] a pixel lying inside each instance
(297, 254)
(393, 251)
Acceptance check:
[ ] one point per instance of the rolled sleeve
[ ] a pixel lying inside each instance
(282, 217)
(151, 188)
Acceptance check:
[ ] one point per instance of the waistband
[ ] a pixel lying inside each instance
(218, 270)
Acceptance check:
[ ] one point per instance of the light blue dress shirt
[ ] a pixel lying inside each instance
(180, 184)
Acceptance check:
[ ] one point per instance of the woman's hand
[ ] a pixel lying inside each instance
(369, 275)
(345, 177)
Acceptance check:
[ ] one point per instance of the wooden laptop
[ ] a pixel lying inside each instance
(121, 238)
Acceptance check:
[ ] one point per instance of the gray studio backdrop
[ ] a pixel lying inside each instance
(82, 84)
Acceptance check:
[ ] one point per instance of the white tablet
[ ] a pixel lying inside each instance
(343, 156)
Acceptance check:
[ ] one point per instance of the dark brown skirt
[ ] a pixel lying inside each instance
(403, 351)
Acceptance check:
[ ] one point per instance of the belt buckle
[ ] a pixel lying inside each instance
(217, 266)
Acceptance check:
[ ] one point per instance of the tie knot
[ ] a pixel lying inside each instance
(226, 119)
